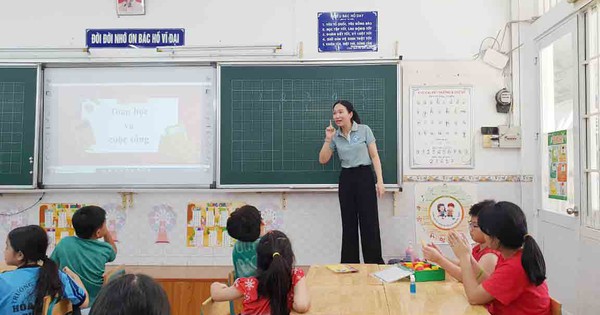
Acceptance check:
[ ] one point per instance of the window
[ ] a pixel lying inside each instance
(591, 119)
(545, 5)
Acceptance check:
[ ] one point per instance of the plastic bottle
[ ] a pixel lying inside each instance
(409, 253)
(413, 285)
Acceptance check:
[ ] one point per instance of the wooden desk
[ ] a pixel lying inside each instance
(321, 276)
(435, 297)
(360, 293)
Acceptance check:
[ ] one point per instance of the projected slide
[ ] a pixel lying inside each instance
(143, 132)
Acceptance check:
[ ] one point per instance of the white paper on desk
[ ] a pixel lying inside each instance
(392, 274)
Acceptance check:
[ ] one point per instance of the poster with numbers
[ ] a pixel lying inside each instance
(207, 224)
(440, 127)
(55, 218)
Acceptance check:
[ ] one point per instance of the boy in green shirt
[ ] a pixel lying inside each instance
(84, 254)
(245, 225)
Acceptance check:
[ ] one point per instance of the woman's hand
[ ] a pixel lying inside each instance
(329, 132)
(380, 189)
(459, 245)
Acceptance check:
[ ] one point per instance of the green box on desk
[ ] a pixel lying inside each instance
(430, 275)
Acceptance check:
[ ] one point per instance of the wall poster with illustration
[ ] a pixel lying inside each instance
(131, 7)
(441, 208)
(557, 162)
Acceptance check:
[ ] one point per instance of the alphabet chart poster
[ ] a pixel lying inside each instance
(56, 219)
(441, 135)
(207, 224)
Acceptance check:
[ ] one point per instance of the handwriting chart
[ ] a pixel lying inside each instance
(441, 134)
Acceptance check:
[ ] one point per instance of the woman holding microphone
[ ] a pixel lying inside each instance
(358, 190)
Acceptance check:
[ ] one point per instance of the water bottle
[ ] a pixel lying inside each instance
(413, 285)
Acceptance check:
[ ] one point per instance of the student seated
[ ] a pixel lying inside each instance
(84, 253)
(22, 291)
(131, 294)
(246, 226)
(483, 258)
(278, 287)
(517, 285)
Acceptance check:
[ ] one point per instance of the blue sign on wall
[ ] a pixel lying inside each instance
(347, 31)
(134, 38)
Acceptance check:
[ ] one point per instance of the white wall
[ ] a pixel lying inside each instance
(424, 30)
(428, 29)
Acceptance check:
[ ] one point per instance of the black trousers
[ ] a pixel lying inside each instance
(358, 203)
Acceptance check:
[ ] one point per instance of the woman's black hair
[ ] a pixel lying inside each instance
(506, 222)
(32, 242)
(131, 294)
(275, 260)
(349, 108)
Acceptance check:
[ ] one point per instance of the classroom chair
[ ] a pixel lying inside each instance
(54, 306)
(555, 307)
(113, 274)
(210, 307)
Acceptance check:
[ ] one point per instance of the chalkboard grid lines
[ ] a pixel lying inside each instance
(273, 119)
(12, 100)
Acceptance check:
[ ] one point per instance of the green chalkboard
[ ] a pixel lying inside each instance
(18, 94)
(273, 120)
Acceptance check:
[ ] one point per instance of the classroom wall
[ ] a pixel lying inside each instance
(423, 30)
(426, 30)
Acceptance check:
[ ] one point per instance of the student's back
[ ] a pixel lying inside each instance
(245, 225)
(85, 254)
(513, 292)
(22, 291)
(244, 258)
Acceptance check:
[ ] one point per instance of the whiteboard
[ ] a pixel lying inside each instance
(128, 126)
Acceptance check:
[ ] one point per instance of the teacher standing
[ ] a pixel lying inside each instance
(358, 190)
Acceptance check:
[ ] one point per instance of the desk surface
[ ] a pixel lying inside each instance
(360, 293)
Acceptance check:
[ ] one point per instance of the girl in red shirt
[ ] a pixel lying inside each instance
(517, 285)
(278, 286)
(484, 259)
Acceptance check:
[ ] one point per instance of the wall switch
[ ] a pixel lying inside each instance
(510, 137)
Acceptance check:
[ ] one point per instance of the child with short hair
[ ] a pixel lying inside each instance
(278, 287)
(246, 226)
(84, 253)
(132, 294)
(484, 258)
(22, 291)
(517, 285)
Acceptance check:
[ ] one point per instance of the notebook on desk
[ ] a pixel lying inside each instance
(341, 268)
(393, 273)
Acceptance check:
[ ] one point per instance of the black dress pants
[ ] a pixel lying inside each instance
(358, 203)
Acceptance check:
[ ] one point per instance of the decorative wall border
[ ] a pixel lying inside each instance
(468, 178)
